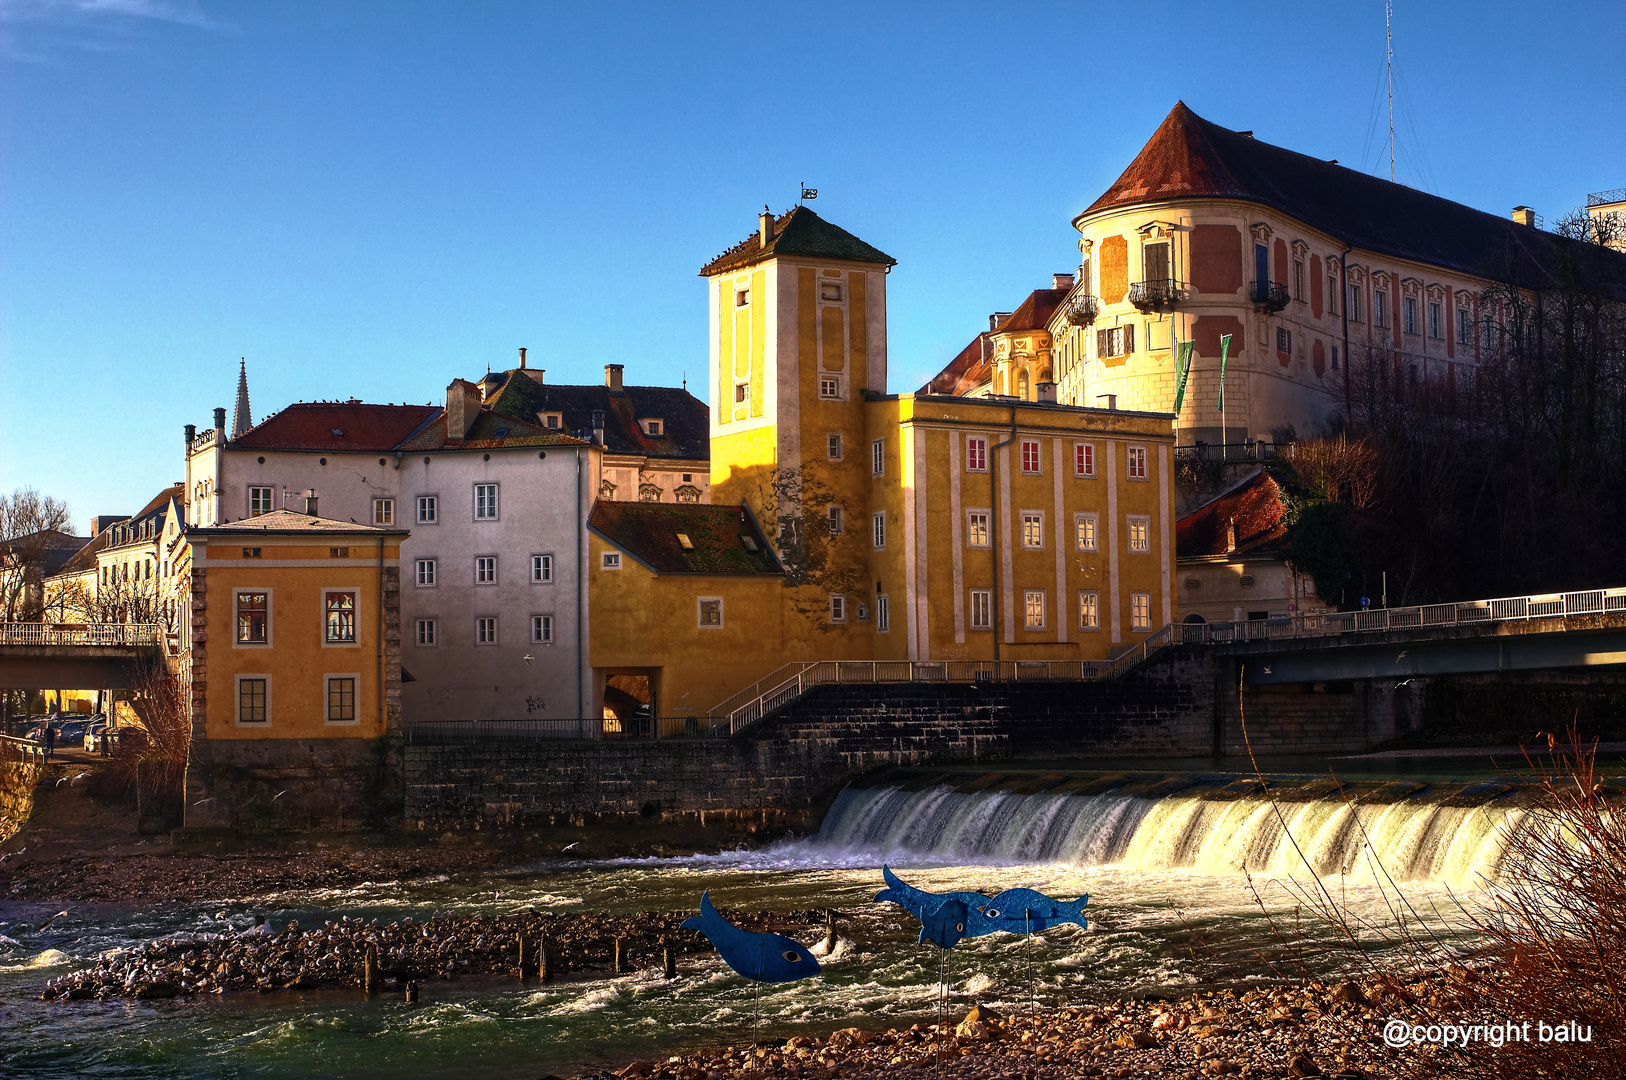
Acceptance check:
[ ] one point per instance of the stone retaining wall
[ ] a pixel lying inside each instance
(17, 782)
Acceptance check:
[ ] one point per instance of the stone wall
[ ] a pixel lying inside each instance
(17, 781)
(257, 785)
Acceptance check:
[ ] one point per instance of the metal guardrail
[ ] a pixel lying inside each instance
(80, 634)
(1604, 198)
(23, 750)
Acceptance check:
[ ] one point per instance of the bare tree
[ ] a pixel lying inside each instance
(28, 524)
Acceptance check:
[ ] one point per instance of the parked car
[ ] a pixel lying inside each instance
(71, 731)
(95, 736)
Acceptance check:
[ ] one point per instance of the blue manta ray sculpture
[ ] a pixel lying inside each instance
(761, 957)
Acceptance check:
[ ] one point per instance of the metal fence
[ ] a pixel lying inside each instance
(80, 633)
(23, 750)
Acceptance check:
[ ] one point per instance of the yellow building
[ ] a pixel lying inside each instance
(293, 659)
(906, 527)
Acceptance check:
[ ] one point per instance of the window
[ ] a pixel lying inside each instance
(554, 421)
(1140, 533)
(341, 699)
(742, 297)
(880, 531)
(248, 553)
(1332, 294)
(1434, 320)
(259, 501)
(1030, 456)
(1409, 308)
(740, 392)
(1089, 611)
(1140, 611)
(426, 573)
(982, 609)
(1354, 303)
(1284, 339)
(610, 560)
(883, 614)
(253, 618)
(829, 387)
(711, 612)
(1298, 279)
(652, 427)
(1380, 309)
(838, 609)
(1032, 529)
(829, 290)
(485, 569)
(485, 630)
(976, 528)
(877, 457)
(253, 699)
(976, 455)
(834, 517)
(1137, 462)
(485, 502)
(1083, 459)
(1335, 358)
(383, 511)
(542, 629)
(428, 510)
(1084, 531)
(338, 553)
(1033, 609)
(1114, 341)
(1155, 261)
(1465, 333)
(339, 627)
(541, 569)
(833, 446)
(426, 631)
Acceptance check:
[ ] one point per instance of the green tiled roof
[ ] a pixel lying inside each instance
(649, 533)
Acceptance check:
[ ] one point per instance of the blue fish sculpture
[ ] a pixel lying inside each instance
(1019, 911)
(760, 957)
(921, 903)
(945, 925)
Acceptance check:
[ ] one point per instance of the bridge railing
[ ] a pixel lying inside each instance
(80, 634)
(23, 750)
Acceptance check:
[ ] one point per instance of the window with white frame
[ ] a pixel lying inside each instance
(541, 569)
(428, 509)
(833, 446)
(339, 626)
(1084, 532)
(833, 516)
(485, 502)
(1332, 294)
(609, 560)
(425, 573)
(742, 391)
(883, 614)
(1140, 533)
(829, 387)
(976, 455)
(838, 608)
(877, 457)
(1089, 611)
(383, 511)
(1380, 309)
(1284, 339)
(485, 630)
(426, 632)
(1354, 303)
(1033, 609)
(542, 629)
(1115, 341)
(1136, 456)
(1408, 307)
(1083, 459)
(982, 609)
(879, 526)
(1465, 332)
(485, 569)
(1033, 529)
(1031, 460)
(253, 618)
(1140, 611)
(710, 613)
(976, 528)
(259, 501)
(1434, 321)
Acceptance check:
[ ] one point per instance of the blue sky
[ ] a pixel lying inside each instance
(369, 199)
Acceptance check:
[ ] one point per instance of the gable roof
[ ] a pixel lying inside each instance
(336, 426)
(156, 511)
(84, 560)
(649, 533)
(685, 419)
(973, 366)
(1254, 504)
(491, 431)
(290, 521)
(798, 231)
(1189, 157)
(1034, 312)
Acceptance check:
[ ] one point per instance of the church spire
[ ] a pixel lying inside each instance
(241, 420)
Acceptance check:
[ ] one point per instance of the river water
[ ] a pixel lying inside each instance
(1168, 877)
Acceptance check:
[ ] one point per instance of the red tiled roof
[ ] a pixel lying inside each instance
(649, 532)
(1254, 504)
(335, 426)
(1034, 312)
(1189, 157)
(973, 366)
(798, 231)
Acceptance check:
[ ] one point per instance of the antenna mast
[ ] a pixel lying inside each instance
(1389, 67)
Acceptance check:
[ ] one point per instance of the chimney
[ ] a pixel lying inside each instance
(191, 434)
(522, 358)
(105, 521)
(220, 426)
(1524, 216)
(598, 426)
(1230, 535)
(536, 373)
(765, 227)
(462, 408)
(612, 377)
(1046, 391)
(993, 320)
(310, 501)
(1061, 281)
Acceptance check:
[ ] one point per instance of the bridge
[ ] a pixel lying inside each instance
(103, 656)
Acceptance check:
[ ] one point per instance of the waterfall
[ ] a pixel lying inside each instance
(1412, 839)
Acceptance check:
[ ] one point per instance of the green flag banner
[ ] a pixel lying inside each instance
(1225, 349)
(1182, 372)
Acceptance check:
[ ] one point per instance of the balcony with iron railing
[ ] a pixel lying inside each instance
(1082, 309)
(1606, 198)
(1158, 294)
(1268, 296)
